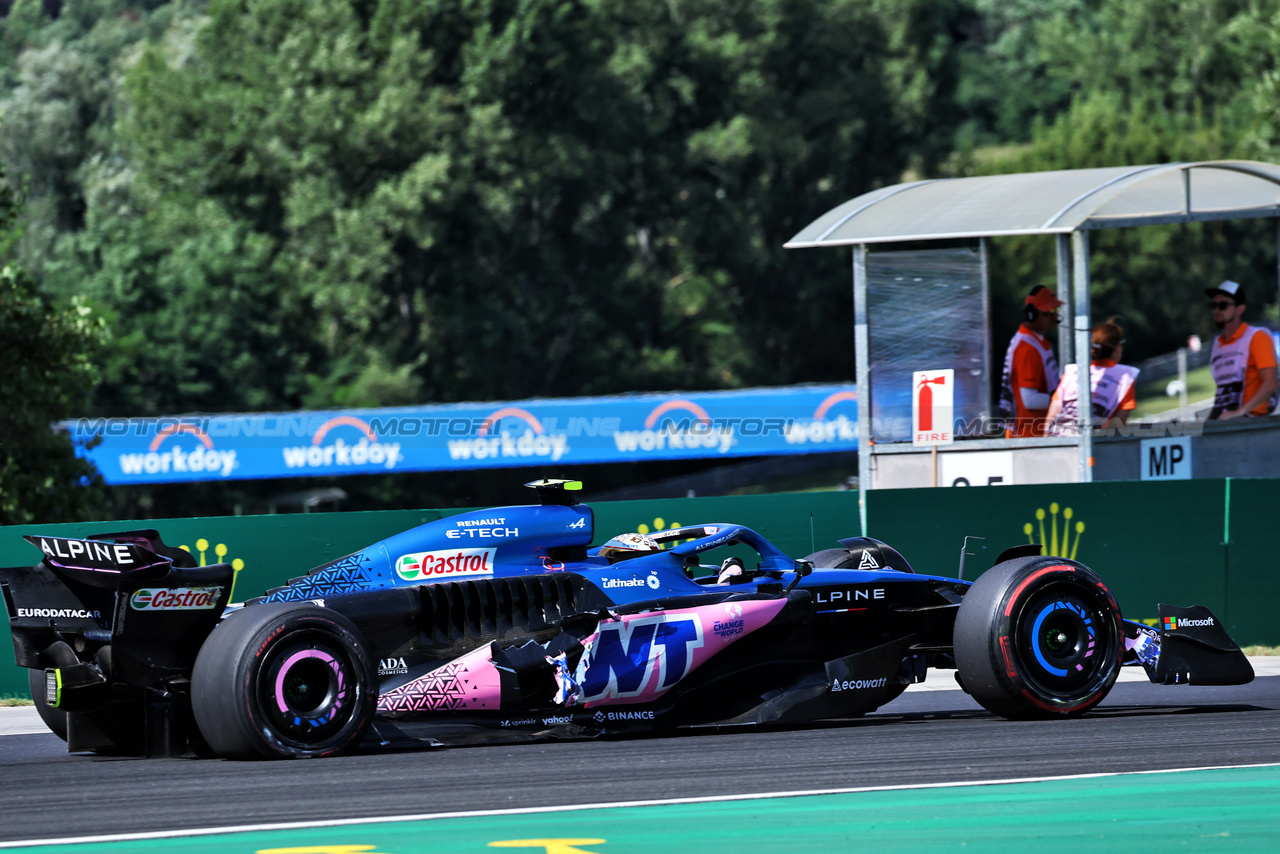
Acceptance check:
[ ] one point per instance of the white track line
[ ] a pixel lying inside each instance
(306, 825)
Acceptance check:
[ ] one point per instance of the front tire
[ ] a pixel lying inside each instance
(283, 680)
(1038, 637)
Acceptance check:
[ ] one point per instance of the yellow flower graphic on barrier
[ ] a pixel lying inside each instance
(1050, 542)
(202, 546)
(660, 524)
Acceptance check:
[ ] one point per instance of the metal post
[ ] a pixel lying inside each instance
(1182, 381)
(1066, 330)
(862, 353)
(986, 413)
(1080, 298)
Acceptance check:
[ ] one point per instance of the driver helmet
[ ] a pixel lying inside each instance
(626, 546)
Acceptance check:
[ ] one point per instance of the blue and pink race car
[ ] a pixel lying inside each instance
(505, 624)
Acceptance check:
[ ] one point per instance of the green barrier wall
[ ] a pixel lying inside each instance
(269, 550)
(1250, 566)
(1203, 542)
(1151, 542)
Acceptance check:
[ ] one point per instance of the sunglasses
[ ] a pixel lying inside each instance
(1222, 305)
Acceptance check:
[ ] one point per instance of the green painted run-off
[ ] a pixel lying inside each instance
(1235, 810)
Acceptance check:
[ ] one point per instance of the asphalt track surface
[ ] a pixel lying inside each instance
(924, 737)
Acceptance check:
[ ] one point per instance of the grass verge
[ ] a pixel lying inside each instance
(1262, 650)
(1153, 399)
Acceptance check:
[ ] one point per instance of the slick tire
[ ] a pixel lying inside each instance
(1038, 637)
(283, 680)
(54, 719)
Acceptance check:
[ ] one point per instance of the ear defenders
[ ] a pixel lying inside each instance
(1029, 312)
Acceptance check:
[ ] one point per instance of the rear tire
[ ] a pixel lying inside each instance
(1038, 637)
(283, 680)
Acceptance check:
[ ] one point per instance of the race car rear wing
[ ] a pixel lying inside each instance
(101, 563)
(124, 607)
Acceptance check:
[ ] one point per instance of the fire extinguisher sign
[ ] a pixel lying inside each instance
(932, 412)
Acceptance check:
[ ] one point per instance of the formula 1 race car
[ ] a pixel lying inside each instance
(502, 624)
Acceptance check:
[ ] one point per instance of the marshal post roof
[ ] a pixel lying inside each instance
(1050, 203)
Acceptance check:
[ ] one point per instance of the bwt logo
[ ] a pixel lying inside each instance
(659, 434)
(821, 431)
(624, 657)
(367, 451)
(534, 442)
(202, 458)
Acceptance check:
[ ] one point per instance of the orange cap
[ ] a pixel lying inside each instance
(1043, 298)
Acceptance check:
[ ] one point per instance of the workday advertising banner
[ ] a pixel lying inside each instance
(567, 431)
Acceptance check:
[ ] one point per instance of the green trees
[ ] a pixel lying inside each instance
(48, 356)
(328, 203)
(280, 204)
(1151, 82)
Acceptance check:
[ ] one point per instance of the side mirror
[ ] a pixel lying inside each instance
(803, 568)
